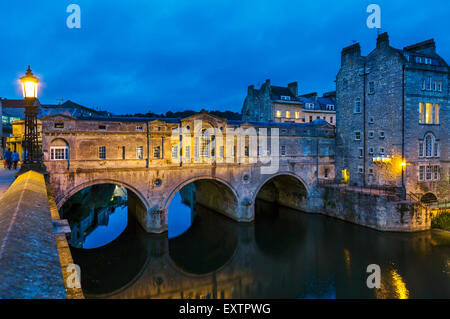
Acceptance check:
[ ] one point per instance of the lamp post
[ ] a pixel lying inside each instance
(32, 158)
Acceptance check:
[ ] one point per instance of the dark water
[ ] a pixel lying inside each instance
(283, 254)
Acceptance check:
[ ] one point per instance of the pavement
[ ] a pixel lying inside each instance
(6, 179)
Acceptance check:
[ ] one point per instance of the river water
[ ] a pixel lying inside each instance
(283, 254)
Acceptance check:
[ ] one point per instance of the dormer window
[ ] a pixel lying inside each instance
(286, 98)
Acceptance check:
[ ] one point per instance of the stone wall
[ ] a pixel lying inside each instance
(382, 213)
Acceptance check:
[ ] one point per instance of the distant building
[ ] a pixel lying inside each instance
(283, 104)
(393, 118)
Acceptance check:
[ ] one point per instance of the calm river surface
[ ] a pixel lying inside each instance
(283, 254)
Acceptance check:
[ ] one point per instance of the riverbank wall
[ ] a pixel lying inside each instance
(383, 212)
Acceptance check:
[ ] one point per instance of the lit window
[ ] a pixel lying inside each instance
(175, 151)
(278, 113)
(59, 153)
(140, 152)
(429, 113)
(297, 114)
(288, 114)
(436, 114)
(102, 152)
(421, 112)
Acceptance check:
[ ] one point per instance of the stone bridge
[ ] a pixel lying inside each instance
(153, 163)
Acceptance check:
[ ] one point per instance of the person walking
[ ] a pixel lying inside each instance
(15, 159)
(7, 158)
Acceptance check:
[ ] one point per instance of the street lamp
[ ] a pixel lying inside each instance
(31, 152)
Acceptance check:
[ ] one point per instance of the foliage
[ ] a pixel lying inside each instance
(441, 221)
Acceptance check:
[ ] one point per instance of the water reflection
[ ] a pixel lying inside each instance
(283, 254)
(97, 215)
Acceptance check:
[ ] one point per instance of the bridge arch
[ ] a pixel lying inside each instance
(179, 186)
(64, 197)
(271, 177)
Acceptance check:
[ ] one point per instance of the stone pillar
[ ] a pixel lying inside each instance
(158, 221)
(246, 211)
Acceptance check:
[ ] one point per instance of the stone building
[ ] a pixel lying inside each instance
(393, 118)
(283, 104)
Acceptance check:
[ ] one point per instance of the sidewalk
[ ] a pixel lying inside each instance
(6, 179)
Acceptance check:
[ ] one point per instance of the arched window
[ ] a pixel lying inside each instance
(59, 150)
(431, 146)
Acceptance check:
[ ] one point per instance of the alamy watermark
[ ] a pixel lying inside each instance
(374, 19)
(73, 21)
(227, 145)
(74, 276)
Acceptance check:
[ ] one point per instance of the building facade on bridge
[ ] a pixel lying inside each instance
(155, 158)
(283, 104)
(393, 118)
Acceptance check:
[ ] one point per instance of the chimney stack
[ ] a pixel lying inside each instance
(383, 40)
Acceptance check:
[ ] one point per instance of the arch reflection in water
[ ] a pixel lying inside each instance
(97, 215)
(209, 193)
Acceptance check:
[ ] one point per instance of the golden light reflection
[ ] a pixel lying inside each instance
(347, 260)
(399, 285)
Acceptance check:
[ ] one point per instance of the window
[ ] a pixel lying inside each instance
(429, 145)
(175, 151)
(331, 120)
(440, 86)
(205, 145)
(430, 81)
(421, 154)
(361, 152)
(371, 171)
(139, 128)
(140, 152)
(317, 117)
(102, 152)
(360, 170)
(326, 173)
(371, 150)
(371, 120)
(421, 173)
(303, 119)
(309, 105)
(278, 113)
(246, 151)
(288, 114)
(357, 136)
(221, 151)
(59, 125)
(59, 153)
(157, 152)
(188, 151)
(381, 150)
(330, 107)
(436, 149)
(436, 114)
(196, 149)
(424, 84)
(371, 87)
(283, 150)
(123, 152)
(297, 114)
(434, 85)
(371, 134)
(284, 97)
(310, 119)
(357, 106)
(102, 127)
(382, 134)
(428, 113)
(436, 172)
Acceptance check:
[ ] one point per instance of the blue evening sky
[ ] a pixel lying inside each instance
(137, 56)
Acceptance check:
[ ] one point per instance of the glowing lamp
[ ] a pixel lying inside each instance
(29, 85)
(403, 163)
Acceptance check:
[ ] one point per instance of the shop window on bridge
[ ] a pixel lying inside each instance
(157, 152)
(140, 152)
(59, 153)
(102, 152)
